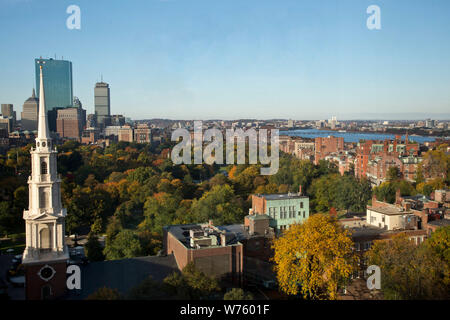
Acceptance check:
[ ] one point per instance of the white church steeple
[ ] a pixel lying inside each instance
(45, 217)
(43, 132)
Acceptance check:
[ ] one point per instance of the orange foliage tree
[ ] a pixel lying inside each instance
(314, 258)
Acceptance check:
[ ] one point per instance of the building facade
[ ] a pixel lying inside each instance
(69, 123)
(58, 82)
(282, 209)
(142, 134)
(8, 112)
(324, 146)
(102, 102)
(29, 117)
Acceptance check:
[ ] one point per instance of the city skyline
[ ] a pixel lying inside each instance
(228, 60)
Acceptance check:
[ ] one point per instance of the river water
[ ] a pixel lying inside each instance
(351, 136)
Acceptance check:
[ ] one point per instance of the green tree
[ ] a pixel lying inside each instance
(105, 294)
(237, 294)
(94, 250)
(219, 204)
(125, 245)
(408, 271)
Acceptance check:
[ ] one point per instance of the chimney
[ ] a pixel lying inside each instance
(424, 217)
(398, 197)
(300, 190)
(210, 223)
(223, 240)
(374, 200)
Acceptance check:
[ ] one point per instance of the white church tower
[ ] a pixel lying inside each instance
(46, 254)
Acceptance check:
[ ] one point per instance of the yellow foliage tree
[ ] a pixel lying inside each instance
(314, 258)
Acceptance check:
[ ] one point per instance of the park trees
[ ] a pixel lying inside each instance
(314, 259)
(124, 245)
(219, 204)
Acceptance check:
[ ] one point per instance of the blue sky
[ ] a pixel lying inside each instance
(203, 59)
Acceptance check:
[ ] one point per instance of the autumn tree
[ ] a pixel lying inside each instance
(314, 259)
(439, 245)
(408, 271)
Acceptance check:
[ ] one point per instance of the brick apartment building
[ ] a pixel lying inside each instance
(324, 146)
(142, 134)
(374, 158)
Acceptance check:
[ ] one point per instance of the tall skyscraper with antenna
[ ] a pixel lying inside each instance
(102, 103)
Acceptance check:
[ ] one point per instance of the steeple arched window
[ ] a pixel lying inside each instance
(44, 169)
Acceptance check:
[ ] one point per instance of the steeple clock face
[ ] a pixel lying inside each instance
(46, 272)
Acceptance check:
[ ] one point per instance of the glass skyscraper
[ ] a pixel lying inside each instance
(58, 82)
(58, 86)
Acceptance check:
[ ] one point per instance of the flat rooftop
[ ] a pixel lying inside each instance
(284, 196)
(233, 233)
(390, 210)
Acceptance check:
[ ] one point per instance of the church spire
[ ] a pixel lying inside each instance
(43, 132)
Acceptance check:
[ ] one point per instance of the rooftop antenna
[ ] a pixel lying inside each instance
(102, 77)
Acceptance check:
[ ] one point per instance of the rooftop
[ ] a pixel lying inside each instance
(284, 196)
(232, 234)
(390, 210)
(123, 274)
(440, 222)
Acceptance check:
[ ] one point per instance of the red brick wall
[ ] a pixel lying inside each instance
(34, 284)
(325, 146)
(258, 204)
(175, 247)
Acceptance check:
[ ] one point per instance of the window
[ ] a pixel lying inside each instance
(44, 167)
(43, 198)
(301, 205)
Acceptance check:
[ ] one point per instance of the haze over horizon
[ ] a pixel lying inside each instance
(201, 59)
